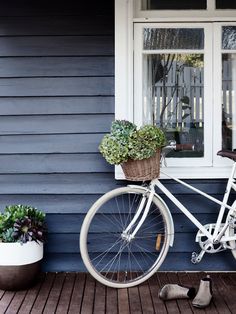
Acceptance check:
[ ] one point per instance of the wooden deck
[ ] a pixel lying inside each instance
(79, 293)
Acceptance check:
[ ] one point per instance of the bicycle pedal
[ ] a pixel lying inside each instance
(196, 258)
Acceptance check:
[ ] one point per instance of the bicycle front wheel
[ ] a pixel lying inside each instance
(110, 257)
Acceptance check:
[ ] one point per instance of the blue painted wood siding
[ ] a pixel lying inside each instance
(56, 103)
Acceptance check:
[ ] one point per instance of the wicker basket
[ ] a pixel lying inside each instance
(142, 170)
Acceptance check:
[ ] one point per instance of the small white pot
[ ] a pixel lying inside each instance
(19, 264)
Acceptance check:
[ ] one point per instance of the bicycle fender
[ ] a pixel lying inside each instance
(170, 219)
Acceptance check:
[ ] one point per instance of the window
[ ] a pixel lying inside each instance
(228, 61)
(172, 85)
(182, 77)
(173, 4)
(189, 9)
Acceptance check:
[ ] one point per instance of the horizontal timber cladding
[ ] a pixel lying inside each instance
(55, 124)
(57, 25)
(54, 163)
(224, 261)
(72, 204)
(56, 104)
(54, 86)
(45, 8)
(72, 222)
(56, 66)
(184, 242)
(51, 143)
(56, 46)
(72, 183)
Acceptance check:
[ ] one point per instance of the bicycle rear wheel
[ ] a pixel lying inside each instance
(113, 260)
(232, 230)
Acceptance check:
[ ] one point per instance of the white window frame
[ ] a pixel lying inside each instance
(126, 15)
(138, 84)
(211, 13)
(217, 139)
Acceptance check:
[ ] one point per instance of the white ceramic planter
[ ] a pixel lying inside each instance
(19, 264)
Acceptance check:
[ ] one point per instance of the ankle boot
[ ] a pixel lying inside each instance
(174, 291)
(204, 294)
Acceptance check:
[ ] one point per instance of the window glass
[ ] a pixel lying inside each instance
(173, 38)
(228, 101)
(173, 98)
(173, 5)
(229, 37)
(225, 4)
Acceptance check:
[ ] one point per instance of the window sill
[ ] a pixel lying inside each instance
(187, 172)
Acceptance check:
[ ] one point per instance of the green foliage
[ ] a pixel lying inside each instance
(114, 151)
(114, 146)
(185, 100)
(121, 129)
(8, 235)
(125, 142)
(193, 60)
(145, 142)
(22, 223)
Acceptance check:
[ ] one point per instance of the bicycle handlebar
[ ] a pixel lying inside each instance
(180, 147)
(184, 146)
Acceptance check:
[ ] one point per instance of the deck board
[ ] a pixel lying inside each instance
(73, 293)
(65, 297)
(99, 299)
(111, 301)
(89, 294)
(16, 302)
(6, 301)
(77, 294)
(30, 297)
(43, 294)
(158, 305)
(183, 304)
(146, 299)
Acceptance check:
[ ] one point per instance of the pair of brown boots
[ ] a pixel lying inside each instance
(201, 300)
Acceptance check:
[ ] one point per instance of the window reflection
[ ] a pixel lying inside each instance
(228, 101)
(229, 37)
(173, 90)
(173, 38)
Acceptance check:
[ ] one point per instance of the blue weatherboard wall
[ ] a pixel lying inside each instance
(56, 103)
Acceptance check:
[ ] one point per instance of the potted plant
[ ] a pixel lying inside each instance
(136, 150)
(22, 234)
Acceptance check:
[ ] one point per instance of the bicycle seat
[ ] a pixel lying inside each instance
(227, 153)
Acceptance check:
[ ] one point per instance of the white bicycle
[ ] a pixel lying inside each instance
(127, 232)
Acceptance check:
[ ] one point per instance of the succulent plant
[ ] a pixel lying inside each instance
(125, 142)
(22, 223)
(8, 235)
(28, 229)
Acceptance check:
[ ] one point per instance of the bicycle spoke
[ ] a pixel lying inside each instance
(106, 252)
(120, 259)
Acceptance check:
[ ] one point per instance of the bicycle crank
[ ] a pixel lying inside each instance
(204, 242)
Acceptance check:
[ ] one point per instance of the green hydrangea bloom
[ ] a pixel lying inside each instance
(115, 152)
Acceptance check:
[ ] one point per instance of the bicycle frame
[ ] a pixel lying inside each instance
(219, 232)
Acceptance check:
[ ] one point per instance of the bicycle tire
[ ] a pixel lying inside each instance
(111, 259)
(232, 231)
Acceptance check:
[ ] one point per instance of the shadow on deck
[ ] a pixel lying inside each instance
(80, 293)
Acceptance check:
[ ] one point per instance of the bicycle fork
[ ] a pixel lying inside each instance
(142, 210)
